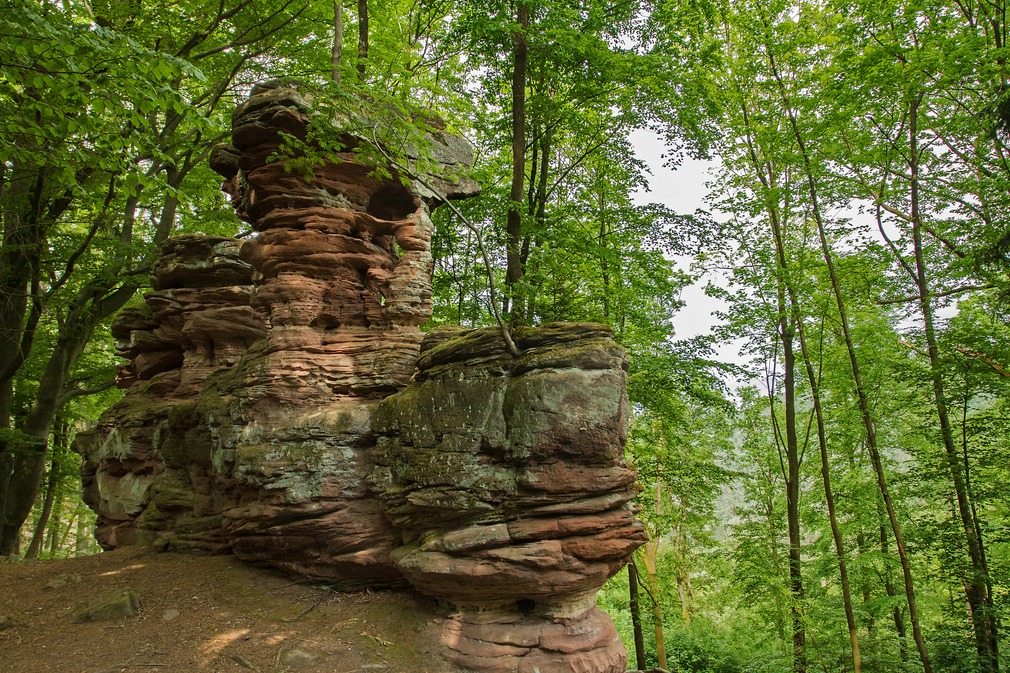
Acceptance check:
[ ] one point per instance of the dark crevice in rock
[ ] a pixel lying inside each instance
(392, 202)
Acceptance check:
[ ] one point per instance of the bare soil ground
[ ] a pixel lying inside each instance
(206, 614)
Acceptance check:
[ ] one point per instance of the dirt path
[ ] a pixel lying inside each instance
(205, 613)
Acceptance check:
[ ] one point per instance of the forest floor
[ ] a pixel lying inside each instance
(205, 614)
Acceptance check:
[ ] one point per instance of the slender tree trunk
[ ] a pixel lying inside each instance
(771, 518)
(636, 616)
(683, 574)
(47, 508)
(513, 225)
(64, 536)
(780, 245)
(969, 489)
(337, 51)
(540, 196)
(793, 490)
(898, 613)
(864, 404)
(61, 444)
(976, 586)
(604, 267)
(685, 611)
(650, 551)
(690, 597)
(56, 525)
(766, 174)
(864, 586)
(362, 38)
(55, 522)
(792, 449)
(829, 498)
(532, 242)
(84, 535)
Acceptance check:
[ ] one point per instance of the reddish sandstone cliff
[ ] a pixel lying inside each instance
(283, 405)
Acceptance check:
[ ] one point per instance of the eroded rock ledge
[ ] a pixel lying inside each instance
(283, 405)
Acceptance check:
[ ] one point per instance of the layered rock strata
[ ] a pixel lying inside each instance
(506, 478)
(282, 404)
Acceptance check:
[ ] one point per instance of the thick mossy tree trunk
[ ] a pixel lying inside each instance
(24, 456)
(23, 218)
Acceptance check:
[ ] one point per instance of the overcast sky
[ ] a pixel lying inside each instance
(683, 190)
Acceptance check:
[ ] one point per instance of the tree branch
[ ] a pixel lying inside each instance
(986, 359)
(71, 393)
(945, 293)
(506, 335)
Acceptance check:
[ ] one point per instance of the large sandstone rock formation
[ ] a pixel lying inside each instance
(283, 405)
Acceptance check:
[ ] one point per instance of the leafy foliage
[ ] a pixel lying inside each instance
(109, 109)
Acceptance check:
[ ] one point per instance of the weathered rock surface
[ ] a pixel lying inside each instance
(283, 405)
(116, 604)
(506, 479)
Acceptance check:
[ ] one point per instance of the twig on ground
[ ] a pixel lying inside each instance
(243, 662)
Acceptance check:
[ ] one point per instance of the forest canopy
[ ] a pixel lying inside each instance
(835, 499)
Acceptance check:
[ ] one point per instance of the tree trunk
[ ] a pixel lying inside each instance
(538, 210)
(829, 498)
(864, 404)
(976, 585)
(64, 536)
(21, 462)
(84, 536)
(683, 570)
(23, 233)
(55, 521)
(61, 444)
(27, 462)
(792, 450)
(337, 51)
(898, 614)
(685, 605)
(649, 553)
(636, 615)
(362, 38)
(864, 586)
(47, 508)
(793, 490)
(791, 444)
(513, 225)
